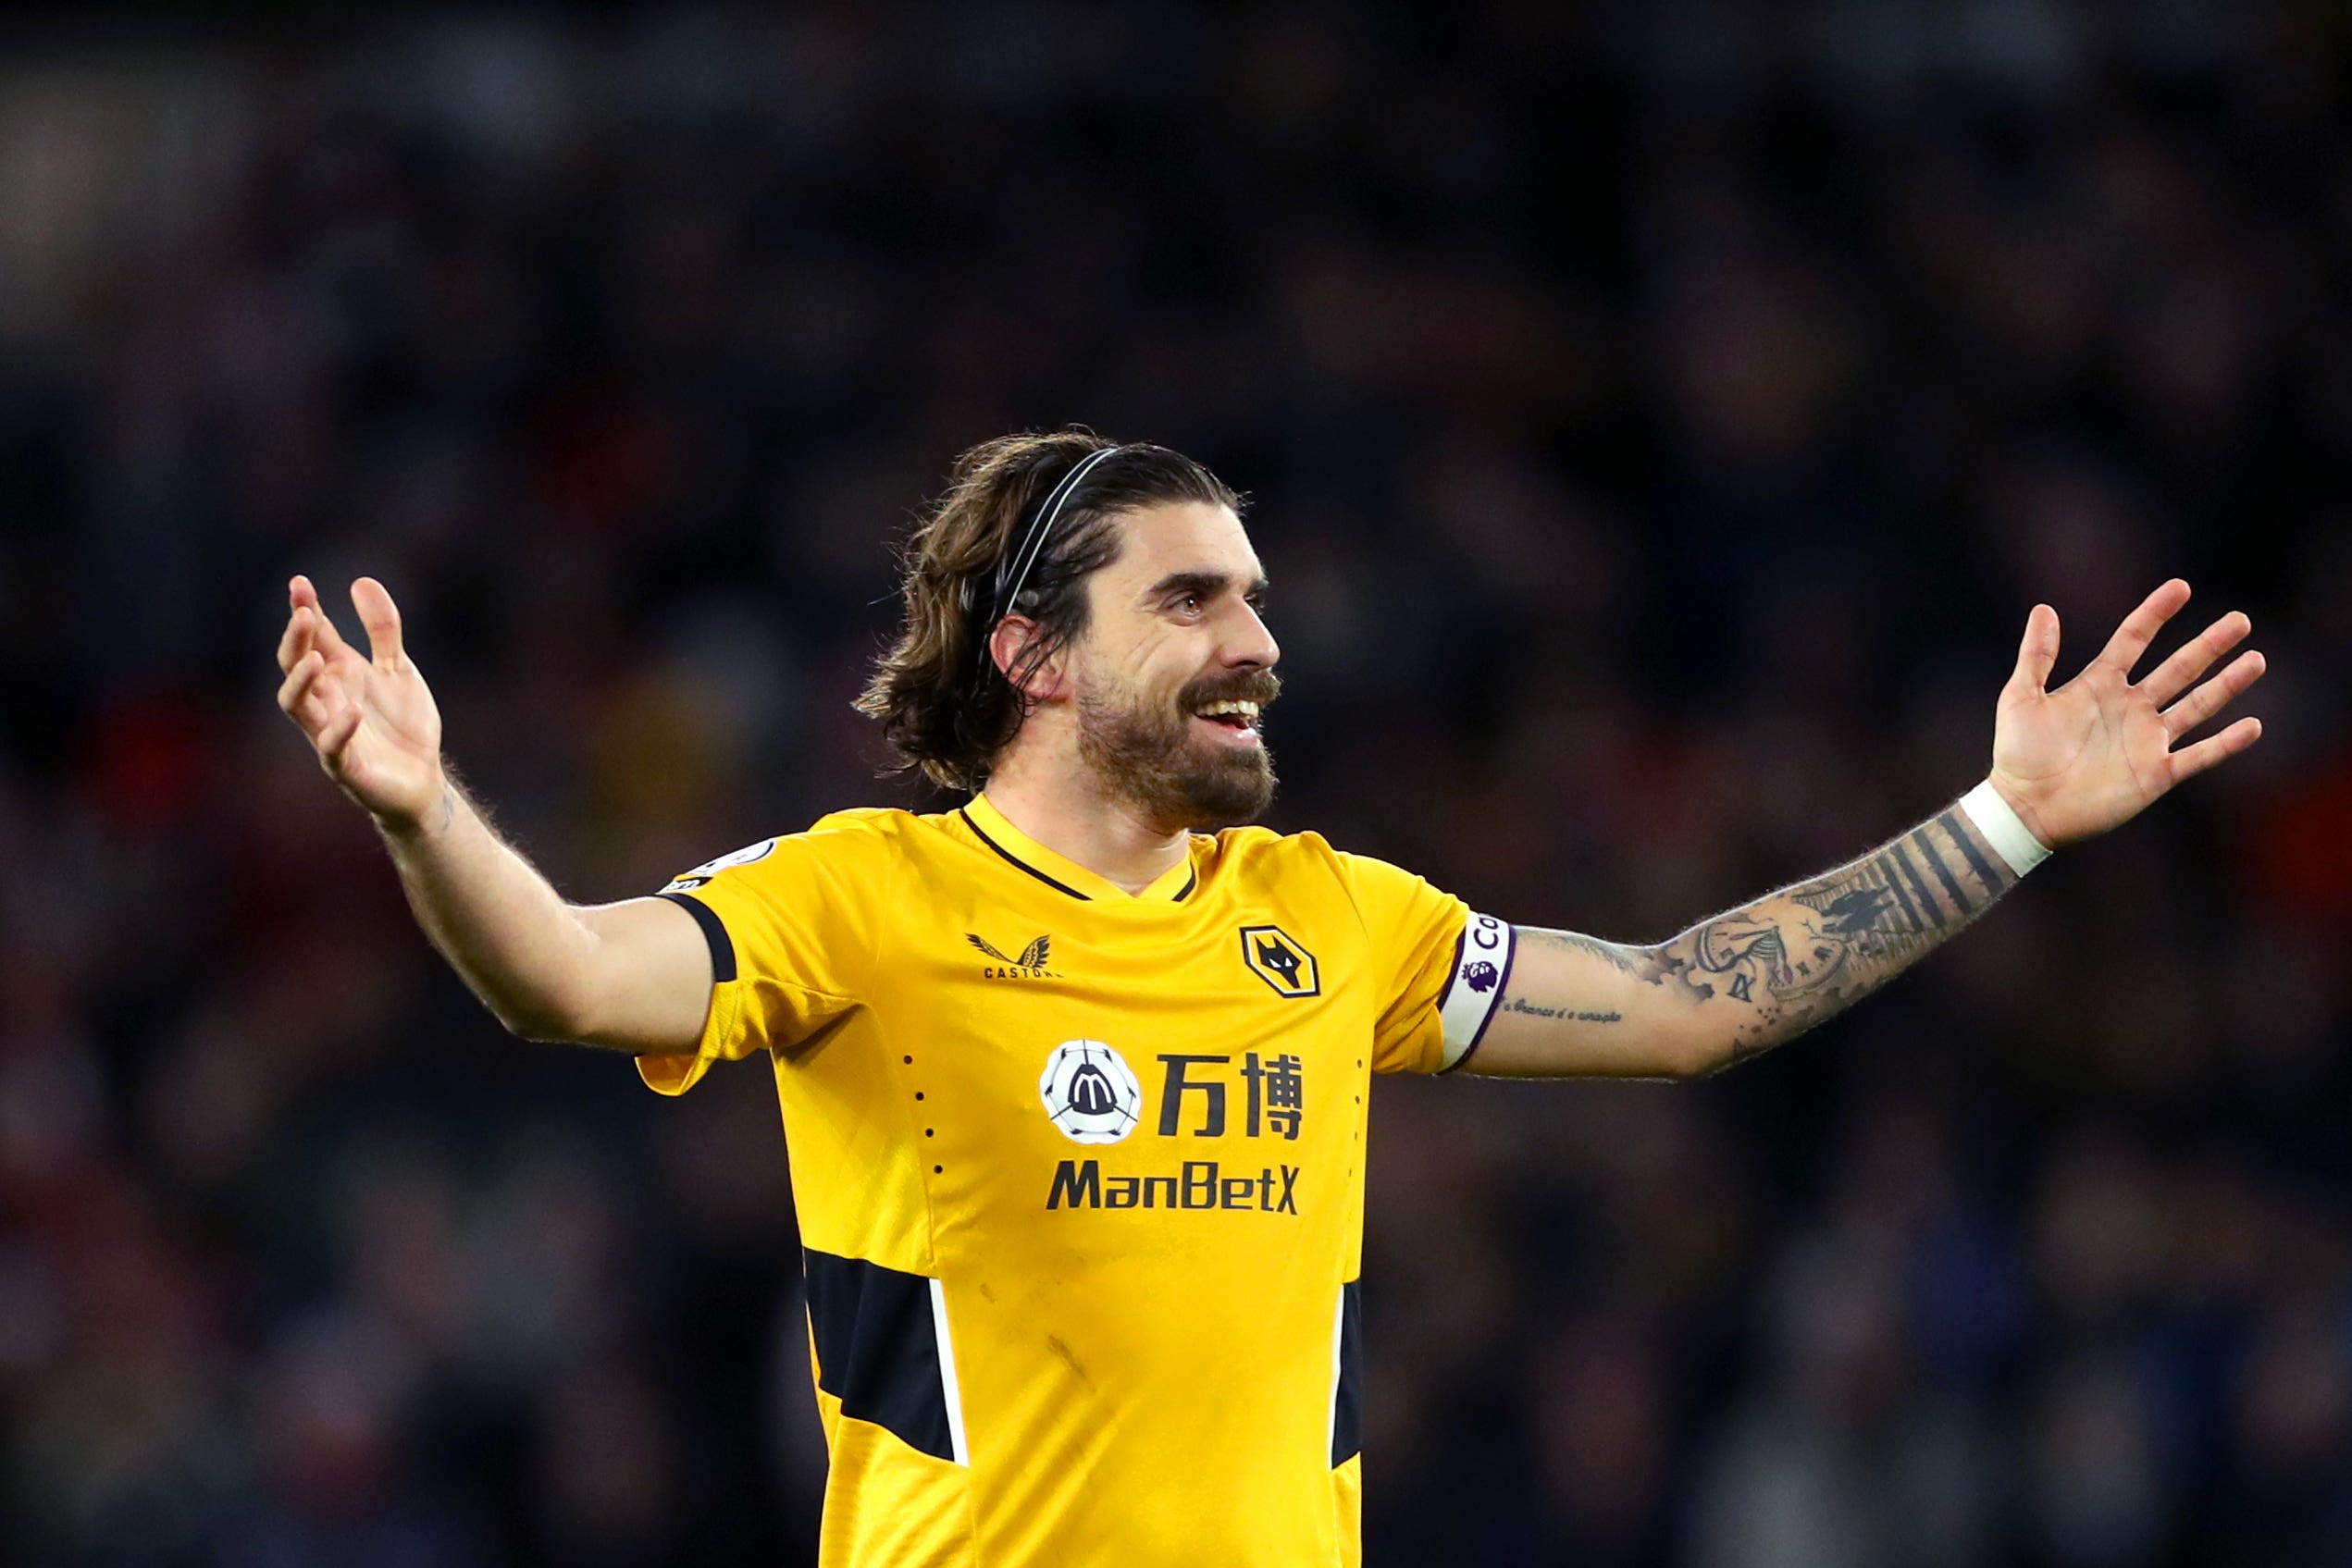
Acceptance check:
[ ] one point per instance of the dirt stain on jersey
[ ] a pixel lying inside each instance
(1054, 1343)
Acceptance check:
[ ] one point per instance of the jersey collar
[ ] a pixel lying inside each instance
(996, 831)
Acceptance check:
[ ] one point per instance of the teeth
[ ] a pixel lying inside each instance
(1247, 709)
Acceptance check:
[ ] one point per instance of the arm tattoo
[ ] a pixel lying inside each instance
(1774, 969)
(1607, 952)
(1791, 960)
(1566, 1015)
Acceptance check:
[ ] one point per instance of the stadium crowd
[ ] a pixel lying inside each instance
(1659, 420)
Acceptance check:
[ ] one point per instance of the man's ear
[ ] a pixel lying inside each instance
(1009, 644)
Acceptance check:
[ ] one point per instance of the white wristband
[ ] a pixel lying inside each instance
(2003, 828)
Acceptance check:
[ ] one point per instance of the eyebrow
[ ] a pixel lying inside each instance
(1208, 585)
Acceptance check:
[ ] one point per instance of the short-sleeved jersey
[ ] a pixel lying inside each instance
(1080, 1173)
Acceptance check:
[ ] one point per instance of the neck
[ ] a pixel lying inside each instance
(1064, 808)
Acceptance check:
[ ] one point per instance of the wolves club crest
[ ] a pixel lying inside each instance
(1275, 957)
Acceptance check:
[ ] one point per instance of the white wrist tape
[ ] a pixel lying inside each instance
(2003, 828)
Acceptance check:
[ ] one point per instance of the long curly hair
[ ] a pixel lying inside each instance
(946, 708)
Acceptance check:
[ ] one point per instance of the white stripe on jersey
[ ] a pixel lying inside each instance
(1338, 1340)
(947, 1384)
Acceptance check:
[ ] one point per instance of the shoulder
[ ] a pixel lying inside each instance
(1264, 847)
(855, 840)
(1389, 903)
(863, 840)
(1260, 854)
(1297, 852)
(867, 826)
(1375, 886)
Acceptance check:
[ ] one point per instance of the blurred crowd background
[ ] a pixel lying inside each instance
(1660, 416)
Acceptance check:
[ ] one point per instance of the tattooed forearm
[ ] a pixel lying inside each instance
(1656, 966)
(1786, 962)
(1566, 1015)
(1746, 980)
(1629, 959)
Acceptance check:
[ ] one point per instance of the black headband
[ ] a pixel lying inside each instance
(1013, 573)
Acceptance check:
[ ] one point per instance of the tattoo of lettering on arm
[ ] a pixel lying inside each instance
(1774, 969)
(1566, 1015)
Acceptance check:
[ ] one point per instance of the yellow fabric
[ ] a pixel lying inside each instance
(907, 1509)
(1139, 1385)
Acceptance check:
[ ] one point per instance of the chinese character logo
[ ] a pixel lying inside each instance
(1277, 1088)
(1279, 961)
(1090, 1091)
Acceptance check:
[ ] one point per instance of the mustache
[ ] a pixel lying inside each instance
(1261, 686)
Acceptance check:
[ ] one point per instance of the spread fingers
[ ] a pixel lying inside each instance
(2214, 694)
(2191, 761)
(2140, 628)
(2193, 658)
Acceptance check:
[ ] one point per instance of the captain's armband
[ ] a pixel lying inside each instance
(1481, 968)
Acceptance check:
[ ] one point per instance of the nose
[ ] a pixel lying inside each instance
(1251, 646)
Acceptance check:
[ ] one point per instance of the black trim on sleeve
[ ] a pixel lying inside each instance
(1024, 865)
(1347, 1395)
(878, 1348)
(714, 931)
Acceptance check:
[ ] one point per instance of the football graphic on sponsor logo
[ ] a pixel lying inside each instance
(1090, 1091)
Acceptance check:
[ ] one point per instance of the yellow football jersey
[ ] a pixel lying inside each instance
(1080, 1173)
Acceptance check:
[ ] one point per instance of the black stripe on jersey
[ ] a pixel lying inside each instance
(1017, 860)
(878, 1349)
(1347, 1396)
(1190, 882)
(714, 932)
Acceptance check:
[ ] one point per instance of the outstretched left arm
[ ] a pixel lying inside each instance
(2068, 763)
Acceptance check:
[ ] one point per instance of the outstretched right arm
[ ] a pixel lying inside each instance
(634, 976)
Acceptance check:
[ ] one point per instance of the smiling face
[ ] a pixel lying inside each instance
(1168, 677)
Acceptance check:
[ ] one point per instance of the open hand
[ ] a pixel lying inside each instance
(2093, 754)
(370, 718)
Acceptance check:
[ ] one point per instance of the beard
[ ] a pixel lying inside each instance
(1146, 754)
